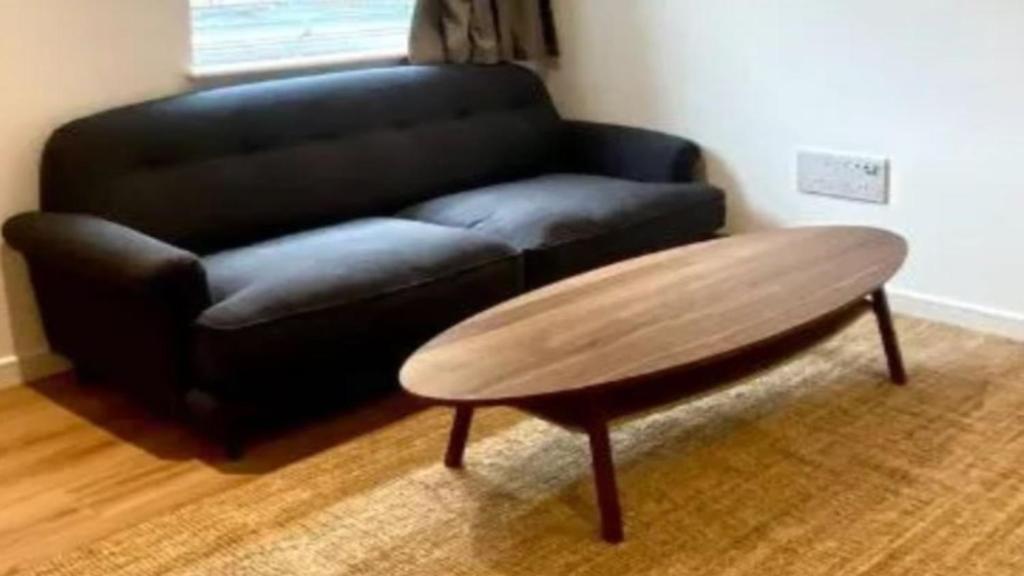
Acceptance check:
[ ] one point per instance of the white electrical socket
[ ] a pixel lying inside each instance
(854, 177)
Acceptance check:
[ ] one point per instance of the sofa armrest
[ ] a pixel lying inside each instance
(118, 303)
(630, 153)
(111, 256)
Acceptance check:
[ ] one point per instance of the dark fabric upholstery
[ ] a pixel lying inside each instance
(329, 288)
(242, 164)
(565, 223)
(119, 303)
(629, 153)
(237, 250)
(109, 253)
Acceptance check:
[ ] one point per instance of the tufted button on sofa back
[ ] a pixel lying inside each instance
(226, 167)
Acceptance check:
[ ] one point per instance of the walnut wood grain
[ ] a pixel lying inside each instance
(627, 401)
(654, 316)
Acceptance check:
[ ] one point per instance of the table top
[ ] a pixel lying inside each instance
(650, 316)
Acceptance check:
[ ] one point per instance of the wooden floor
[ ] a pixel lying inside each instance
(818, 467)
(77, 464)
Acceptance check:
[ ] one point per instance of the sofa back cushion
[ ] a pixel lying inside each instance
(235, 165)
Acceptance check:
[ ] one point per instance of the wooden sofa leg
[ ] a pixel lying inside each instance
(217, 422)
(234, 446)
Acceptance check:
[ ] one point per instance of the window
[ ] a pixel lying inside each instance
(268, 33)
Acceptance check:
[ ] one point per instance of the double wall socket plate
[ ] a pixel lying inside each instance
(853, 177)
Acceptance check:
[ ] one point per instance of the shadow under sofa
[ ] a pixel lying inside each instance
(233, 255)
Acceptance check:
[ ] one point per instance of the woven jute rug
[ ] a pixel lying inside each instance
(817, 467)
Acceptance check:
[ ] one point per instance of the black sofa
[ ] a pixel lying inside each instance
(232, 254)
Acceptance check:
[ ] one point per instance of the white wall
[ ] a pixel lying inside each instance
(936, 85)
(60, 59)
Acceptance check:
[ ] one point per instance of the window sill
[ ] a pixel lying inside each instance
(257, 70)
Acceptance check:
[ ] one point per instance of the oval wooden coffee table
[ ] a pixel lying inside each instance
(657, 329)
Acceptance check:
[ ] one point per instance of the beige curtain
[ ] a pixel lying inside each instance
(482, 31)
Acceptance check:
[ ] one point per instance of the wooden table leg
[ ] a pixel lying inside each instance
(459, 436)
(604, 480)
(880, 303)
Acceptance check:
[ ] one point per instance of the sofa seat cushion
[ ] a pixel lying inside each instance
(567, 223)
(323, 293)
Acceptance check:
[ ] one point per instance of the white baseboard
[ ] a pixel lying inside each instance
(948, 311)
(18, 370)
